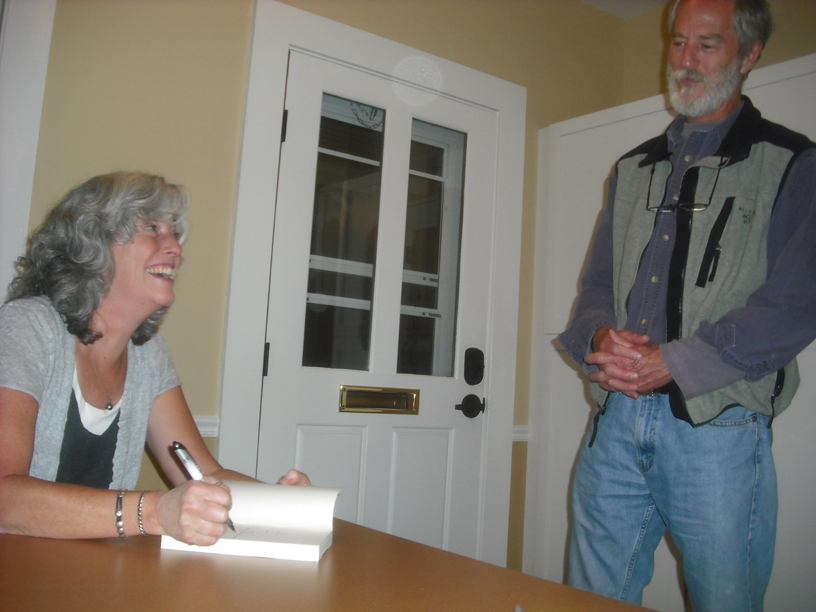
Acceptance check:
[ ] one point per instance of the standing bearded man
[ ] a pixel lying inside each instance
(699, 292)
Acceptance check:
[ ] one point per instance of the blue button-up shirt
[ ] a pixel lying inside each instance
(779, 319)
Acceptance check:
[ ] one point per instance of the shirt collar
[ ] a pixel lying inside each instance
(720, 128)
(734, 144)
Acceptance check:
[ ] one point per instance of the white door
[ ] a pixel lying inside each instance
(372, 306)
(435, 476)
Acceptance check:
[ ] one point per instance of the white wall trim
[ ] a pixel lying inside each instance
(207, 425)
(522, 433)
(25, 43)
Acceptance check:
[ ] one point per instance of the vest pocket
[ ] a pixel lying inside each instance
(711, 257)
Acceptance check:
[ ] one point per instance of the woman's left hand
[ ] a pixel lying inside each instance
(295, 479)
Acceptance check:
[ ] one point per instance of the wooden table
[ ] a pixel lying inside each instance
(363, 570)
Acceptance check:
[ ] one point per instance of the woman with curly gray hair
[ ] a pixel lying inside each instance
(86, 380)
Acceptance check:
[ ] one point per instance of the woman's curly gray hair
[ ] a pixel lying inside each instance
(68, 258)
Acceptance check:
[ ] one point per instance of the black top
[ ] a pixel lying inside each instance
(85, 458)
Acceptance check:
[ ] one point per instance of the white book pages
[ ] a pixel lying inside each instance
(273, 521)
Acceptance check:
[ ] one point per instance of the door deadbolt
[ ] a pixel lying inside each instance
(474, 366)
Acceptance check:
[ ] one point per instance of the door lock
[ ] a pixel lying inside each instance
(471, 406)
(474, 366)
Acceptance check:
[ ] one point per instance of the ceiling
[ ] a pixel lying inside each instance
(625, 9)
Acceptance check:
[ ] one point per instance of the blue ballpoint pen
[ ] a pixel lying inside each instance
(193, 471)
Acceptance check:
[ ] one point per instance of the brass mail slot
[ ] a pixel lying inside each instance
(379, 399)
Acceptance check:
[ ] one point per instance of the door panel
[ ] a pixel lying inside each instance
(408, 474)
(347, 447)
(421, 461)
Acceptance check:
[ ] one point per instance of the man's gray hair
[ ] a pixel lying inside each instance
(68, 259)
(752, 23)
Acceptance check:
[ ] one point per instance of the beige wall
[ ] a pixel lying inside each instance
(158, 85)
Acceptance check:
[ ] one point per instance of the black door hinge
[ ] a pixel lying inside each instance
(266, 359)
(283, 126)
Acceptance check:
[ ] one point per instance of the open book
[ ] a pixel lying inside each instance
(273, 521)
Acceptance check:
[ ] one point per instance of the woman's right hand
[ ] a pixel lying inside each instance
(194, 512)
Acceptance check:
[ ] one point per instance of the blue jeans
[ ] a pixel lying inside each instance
(713, 487)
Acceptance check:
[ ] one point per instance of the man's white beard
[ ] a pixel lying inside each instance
(716, 92)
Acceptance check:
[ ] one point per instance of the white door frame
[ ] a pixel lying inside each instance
(25, 44)
(278, 28)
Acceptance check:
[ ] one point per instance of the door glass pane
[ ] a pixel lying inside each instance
(430, 276)
(344, 235)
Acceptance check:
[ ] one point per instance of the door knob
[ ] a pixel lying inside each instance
(471, 406)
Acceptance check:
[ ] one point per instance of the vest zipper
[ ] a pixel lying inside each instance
(711, 256)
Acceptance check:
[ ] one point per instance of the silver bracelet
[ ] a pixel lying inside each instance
(139, 513)
(120, 522)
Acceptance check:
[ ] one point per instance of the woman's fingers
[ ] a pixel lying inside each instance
(294, 478)
(196, 512)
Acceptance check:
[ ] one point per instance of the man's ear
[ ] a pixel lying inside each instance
(752, 58)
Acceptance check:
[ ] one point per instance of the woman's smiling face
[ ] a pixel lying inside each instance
(145, 268)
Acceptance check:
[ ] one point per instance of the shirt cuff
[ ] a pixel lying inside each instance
(577, 339)
(697, 367)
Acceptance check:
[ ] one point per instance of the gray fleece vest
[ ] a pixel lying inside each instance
(720, 255)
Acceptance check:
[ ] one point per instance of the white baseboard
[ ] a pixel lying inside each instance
(207, 425)
(521, 433)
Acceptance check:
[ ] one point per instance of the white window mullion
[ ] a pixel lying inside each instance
(336, 300)
(341, 266)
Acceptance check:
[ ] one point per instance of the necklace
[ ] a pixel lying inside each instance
(109, 405)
